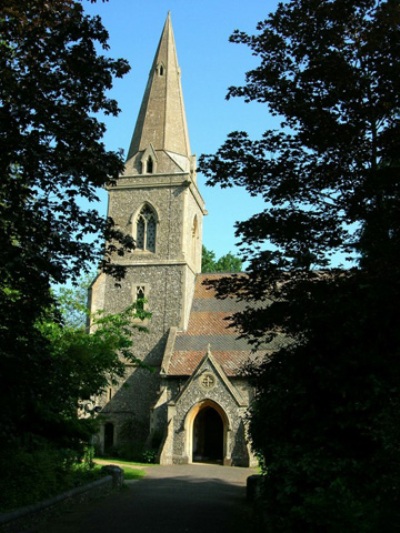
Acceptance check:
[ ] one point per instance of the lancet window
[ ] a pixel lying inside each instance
(140, 296)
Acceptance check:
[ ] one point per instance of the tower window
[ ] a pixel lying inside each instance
(161, 70)
(146, 230)
(140, 296)
(149, 165)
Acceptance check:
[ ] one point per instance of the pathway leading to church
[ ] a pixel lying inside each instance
(194, 498)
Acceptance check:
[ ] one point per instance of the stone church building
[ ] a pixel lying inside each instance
(192, 406)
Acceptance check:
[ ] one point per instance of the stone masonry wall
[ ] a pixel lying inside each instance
(168, 204)
(134, 397)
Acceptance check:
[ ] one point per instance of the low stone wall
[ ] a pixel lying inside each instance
(255, 498)
(22, 520)
(253, 487)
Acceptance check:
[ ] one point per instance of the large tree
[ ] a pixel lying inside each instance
(53, 85)
(324, 419)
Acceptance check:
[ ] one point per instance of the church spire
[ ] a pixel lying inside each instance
(161, 125)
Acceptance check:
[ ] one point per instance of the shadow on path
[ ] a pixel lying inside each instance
(171, 499)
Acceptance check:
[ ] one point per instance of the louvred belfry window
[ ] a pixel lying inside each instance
(146, 230)
(149, 166)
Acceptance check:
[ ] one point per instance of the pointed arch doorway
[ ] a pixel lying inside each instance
(208, 427)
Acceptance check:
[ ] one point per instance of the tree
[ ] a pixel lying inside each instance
(207, 260)
(58, 429)
(83, 364)
(52, 161)
(226, 263)
(324, 417)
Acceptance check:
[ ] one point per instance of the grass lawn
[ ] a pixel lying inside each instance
(131, 470)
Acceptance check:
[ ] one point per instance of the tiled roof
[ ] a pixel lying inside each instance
(209, 326)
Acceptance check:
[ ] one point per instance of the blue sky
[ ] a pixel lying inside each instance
(209, 64)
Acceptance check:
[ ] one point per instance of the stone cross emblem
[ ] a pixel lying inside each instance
(208, 381)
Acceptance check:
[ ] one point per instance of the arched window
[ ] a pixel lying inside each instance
(161, 70)
(146, 229)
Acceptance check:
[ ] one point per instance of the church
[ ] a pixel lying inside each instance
(192, 405)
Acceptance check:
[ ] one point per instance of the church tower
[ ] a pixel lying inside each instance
(157, 201)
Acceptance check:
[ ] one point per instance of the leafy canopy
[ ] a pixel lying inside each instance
(52, 156)
(324, 417)
(53, 85)
(330, 70)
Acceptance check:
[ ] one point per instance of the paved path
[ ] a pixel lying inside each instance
(170, 499)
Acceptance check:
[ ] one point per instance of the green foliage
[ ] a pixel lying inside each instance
(39, 471)
(80, 364)
(207, 260)
(226, 263)
(72, 301)
(52, 163)
(83, 363)
(324, 419)
(331, 71)
(88, 457)
(51, 151)
(149, 456)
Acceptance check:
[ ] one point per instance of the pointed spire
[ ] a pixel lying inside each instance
(162, 119)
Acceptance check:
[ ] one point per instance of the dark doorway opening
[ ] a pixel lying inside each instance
(108, 437)
(208, 437)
